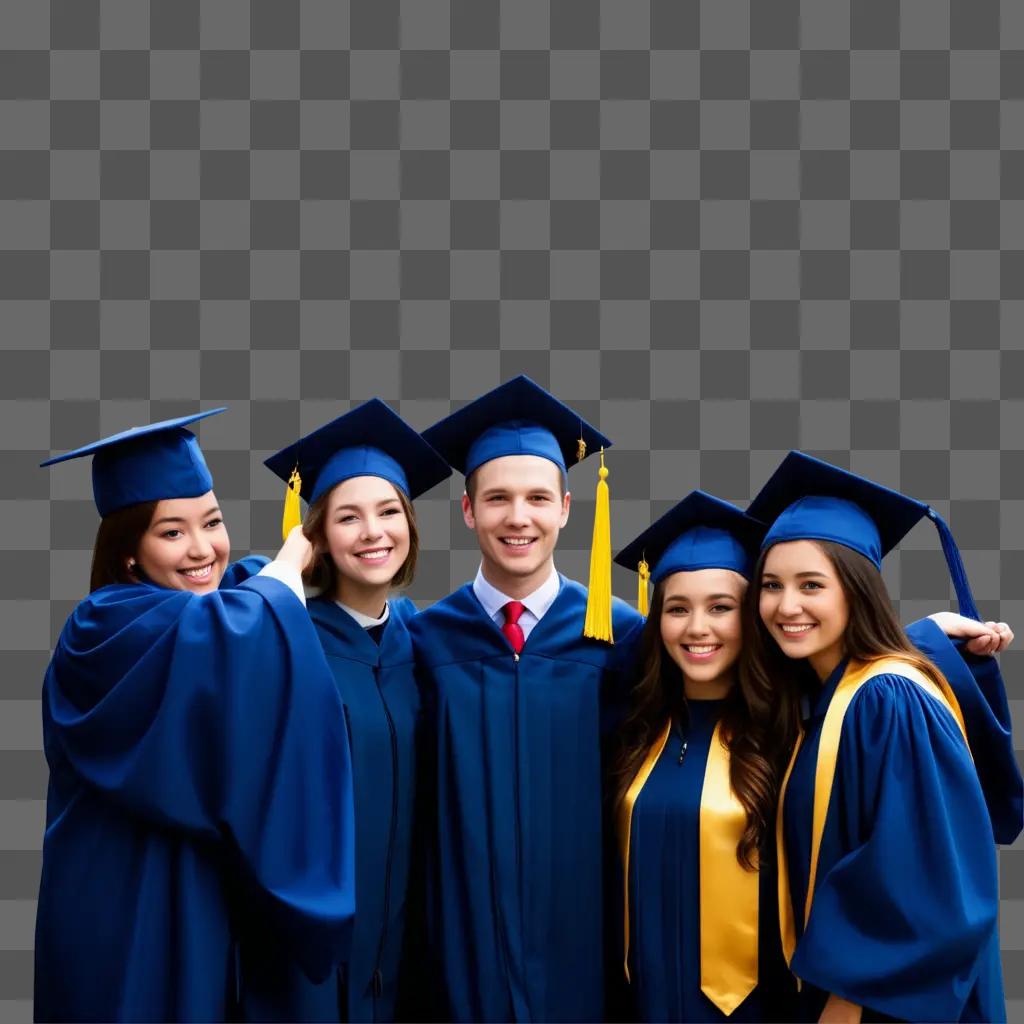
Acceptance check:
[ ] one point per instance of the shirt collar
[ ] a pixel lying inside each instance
(537, 603)
(366, 621)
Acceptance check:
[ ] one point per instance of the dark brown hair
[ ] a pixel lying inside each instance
(873, 632)
(117, 541)
(322, 574)
(658, 697)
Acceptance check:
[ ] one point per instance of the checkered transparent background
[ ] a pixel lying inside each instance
(719, 229)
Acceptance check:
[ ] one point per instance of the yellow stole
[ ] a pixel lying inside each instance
(855, 676)
(728, 892)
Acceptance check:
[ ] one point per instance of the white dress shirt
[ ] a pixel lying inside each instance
(535, 604)
(366, 621)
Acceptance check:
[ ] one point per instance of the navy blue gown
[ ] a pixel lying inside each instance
(381, 703)
(664, 893)
(187, 737)
(978, 684)
(515, 901)
(904, 919)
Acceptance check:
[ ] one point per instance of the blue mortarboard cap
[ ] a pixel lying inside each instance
(700, 532)
(149, 463)
(807, 499)
(516, 418)
(370, 440)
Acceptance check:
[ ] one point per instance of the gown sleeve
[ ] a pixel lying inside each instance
(216, 716)
(978, 684)
(906, 899)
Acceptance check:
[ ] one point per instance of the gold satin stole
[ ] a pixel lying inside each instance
(728, 891)
(856, 675)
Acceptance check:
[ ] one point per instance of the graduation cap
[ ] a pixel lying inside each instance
(149, 463)
(517, 418)
(370, 440)
(700, 532)
(520, 418)
(807, 499)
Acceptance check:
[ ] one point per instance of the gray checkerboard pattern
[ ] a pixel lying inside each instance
(720, 229)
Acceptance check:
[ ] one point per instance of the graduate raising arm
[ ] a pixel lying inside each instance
(189, 727)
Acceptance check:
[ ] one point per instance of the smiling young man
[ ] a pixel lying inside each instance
(517, 692)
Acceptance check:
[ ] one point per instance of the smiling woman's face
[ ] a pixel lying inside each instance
(803, 604)
(186, 546)
(700, 628)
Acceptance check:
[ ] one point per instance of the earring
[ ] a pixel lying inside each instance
(131, 565)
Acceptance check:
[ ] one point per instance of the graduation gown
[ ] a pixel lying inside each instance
(978, 684)
(904, 918)
(381, 702)
(664, 893)
(187, 737)
(515, 903)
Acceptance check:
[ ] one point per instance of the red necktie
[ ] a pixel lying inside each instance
(512, 630)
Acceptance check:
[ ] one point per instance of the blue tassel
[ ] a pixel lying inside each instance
(964, 597)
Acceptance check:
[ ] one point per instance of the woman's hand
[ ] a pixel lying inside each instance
(840, 1011)
(296, 550)
(982, 637)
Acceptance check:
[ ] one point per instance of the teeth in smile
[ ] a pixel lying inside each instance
(517, 542)
(797, 629)
(200, 573)
(374, 556)
(702, 648)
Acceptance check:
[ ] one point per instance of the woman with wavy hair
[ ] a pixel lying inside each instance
(888, 891)
(694, 782)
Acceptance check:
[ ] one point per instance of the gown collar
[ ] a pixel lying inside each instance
(818, 705)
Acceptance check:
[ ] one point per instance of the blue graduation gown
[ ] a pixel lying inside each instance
(664, 897)
(515, 905)
(187, 737)
(381, 703)
(978, 684)
(904, 919)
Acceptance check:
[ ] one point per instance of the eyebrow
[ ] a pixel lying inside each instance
(180, 519)
(710, 597)
(799, 575)
(356, 508)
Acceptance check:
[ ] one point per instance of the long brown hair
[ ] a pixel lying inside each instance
(117, 542)
(872, 632)
(658, 697)
(322, 573)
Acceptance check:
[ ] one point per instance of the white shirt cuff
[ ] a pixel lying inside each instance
(286, 574)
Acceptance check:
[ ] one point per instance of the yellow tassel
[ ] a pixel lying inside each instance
(292, 510)
(641, 598)
(599, 597)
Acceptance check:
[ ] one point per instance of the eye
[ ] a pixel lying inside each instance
(811, 585)
(349, 518)
(771, 585)
(217, 521)
(539, 497)
(171, 534)
(677, 609)
(391, 512)
(721, 609)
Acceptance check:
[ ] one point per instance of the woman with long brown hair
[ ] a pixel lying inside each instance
(889, 885)
(694, 783)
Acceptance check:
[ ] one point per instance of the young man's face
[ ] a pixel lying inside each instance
(517, 511)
